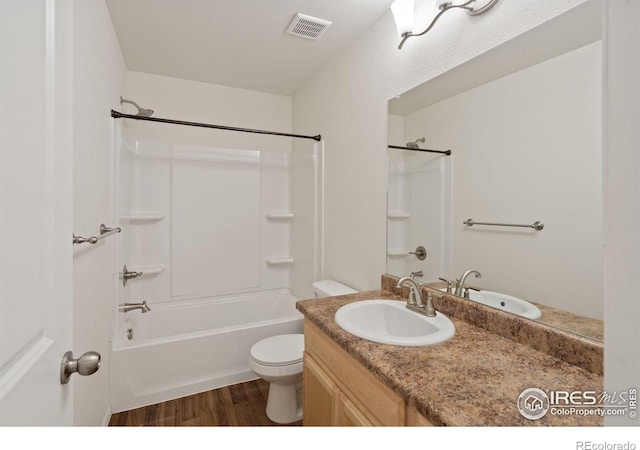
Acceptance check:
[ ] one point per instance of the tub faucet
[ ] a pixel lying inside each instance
(126, 307)
(415, 301)
(463, 278)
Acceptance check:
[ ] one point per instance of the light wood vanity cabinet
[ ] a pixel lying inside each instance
(340, 391)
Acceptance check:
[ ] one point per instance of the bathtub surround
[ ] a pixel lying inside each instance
(218, 221)
(289, 176)
(226, 245)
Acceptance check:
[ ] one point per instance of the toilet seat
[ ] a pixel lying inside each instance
(278, 351)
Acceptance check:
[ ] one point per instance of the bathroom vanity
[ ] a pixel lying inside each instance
(340, 391)
(473, 379)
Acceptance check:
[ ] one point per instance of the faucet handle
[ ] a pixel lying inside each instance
(418, 274)
(449, 289)
(466, 290)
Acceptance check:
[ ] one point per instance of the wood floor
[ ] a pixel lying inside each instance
(238, 405)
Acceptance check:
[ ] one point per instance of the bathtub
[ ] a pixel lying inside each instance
(178, 350)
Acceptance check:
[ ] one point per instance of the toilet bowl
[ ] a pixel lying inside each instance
(278, 360)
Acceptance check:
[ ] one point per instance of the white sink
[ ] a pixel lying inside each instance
(508, 303)
(390, 322)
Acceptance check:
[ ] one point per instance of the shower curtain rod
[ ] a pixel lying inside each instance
(119, 115)
(444, 152)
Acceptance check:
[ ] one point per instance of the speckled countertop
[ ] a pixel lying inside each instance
(473, 379)
(563, 320)
(584, 326)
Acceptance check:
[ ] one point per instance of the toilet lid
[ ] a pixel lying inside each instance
(279, 350)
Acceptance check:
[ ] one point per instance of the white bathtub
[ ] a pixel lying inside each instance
(179, 350)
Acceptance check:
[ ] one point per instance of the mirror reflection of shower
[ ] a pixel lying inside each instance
(415, 143)
(142, 112)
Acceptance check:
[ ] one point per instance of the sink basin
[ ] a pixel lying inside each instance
(508, 303)
(390, 322)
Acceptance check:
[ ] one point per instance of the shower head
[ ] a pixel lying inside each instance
(414, 144)
(143, 112)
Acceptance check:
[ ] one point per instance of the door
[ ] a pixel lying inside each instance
(35, 211)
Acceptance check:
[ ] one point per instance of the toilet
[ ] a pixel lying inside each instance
(278, 360)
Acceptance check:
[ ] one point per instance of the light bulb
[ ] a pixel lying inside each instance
(402, 11)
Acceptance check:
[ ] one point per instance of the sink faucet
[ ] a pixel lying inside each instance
(463, 278)
(415, 301)
(126, 307)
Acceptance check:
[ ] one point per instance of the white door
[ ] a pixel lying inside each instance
(35, 211)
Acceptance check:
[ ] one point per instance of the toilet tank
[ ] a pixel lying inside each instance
(329, 288)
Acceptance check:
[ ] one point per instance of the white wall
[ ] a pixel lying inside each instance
(621, 200)
(347, 103)
(174, 98)
(527, 147)
(99, 78)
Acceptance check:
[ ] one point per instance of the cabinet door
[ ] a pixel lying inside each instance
(350, 415)
(321, 396)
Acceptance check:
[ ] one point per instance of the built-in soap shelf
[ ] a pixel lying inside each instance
(142, 217)
(397, 252)
(152, 269)
(398, 215)
(280, 215)
(284, 261)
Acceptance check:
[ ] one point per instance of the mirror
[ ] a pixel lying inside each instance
(523, 123)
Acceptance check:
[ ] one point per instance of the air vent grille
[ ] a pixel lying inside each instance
(307, 27)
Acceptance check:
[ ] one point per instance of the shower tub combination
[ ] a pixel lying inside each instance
(226, 235)
(179, 350)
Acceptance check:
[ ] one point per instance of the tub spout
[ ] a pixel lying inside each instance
(126, 307)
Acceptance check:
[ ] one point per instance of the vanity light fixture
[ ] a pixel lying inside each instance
(402, 11)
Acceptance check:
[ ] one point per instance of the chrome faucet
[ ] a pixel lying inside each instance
(126, 307)
(415, 301)
(463, 278)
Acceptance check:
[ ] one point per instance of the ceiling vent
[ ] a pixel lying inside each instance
(307, 27)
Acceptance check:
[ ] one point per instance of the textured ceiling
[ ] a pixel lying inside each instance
(239, 43)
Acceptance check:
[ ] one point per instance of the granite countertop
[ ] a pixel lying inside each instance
(584, 326)
(558, 318)
(473, 379)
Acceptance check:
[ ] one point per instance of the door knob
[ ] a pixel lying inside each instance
(88, 363)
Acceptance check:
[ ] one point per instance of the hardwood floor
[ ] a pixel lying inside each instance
(237, 405)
